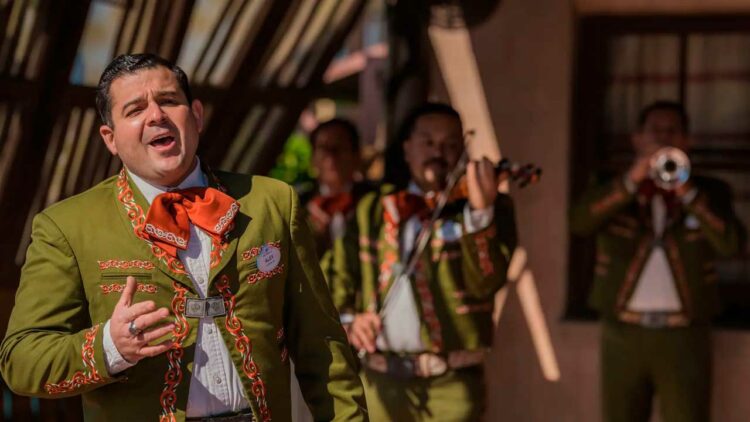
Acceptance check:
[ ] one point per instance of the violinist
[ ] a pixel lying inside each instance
(418, 312)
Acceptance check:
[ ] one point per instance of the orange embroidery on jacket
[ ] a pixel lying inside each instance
(125, 265)
(485, 261)
(428, 309)
(80, 378)
(118, 288)
(138, 221)
(245, 347)
(261, 275)
(255, 250)
(173, 376)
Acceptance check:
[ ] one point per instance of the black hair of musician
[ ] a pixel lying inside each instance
(345, 124)
(672, 106)
(127, 64)
(396, 170)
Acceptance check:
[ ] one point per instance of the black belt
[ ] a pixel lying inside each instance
(243, 416)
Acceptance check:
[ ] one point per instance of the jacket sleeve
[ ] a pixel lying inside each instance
(324, 363)
(51, 348)
(343, 270)
(487, 253)
(713, 208)
(597, 205)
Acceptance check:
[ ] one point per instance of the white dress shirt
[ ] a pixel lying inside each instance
(656, 290)
(215, 385)
(401, 324)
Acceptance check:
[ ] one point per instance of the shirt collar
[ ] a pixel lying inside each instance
(196, 178)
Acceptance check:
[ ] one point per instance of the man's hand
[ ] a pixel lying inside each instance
(136, 347)
(364, 331)
(482, 183)
(641, 167)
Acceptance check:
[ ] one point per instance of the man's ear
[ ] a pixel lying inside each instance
(108, 136)
(197, 109)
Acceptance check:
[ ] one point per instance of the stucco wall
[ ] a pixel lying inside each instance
(525, 53)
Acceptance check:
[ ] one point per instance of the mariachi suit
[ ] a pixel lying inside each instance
(639, 358)
(453, 287)
(82, 250)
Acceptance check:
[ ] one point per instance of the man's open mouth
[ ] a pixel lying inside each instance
(162, 141)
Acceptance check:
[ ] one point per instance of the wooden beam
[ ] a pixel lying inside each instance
(65, 23)
(275, 144)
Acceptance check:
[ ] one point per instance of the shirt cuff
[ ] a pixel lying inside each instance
(477, 220)
(112, 357)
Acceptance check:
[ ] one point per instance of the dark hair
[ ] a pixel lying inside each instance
(672, 106)
(128, 64)
(396, 170)
(407, 127)
(345, 124)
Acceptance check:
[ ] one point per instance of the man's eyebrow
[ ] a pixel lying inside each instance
(168, 93)
(159, 94)
(131, 102)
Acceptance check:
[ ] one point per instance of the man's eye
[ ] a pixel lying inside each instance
(132, 112)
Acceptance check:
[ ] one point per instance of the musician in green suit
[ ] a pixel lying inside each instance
(172, 292)
(423, 335)
(655, 277)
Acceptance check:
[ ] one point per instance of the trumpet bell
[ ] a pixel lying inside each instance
(670, 168)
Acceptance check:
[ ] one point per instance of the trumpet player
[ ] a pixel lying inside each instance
(658, 233)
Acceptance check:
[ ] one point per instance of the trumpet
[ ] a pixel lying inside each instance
(670, 168)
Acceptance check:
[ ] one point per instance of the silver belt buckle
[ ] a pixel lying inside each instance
(202, 308)
(654, 319)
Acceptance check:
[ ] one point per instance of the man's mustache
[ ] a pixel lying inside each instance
(435, 162)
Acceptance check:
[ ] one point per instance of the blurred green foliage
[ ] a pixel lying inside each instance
(293, 164)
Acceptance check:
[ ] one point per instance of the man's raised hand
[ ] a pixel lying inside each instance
(144, 316)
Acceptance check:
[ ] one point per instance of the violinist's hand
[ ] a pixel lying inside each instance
(364, 331)
(482, 183)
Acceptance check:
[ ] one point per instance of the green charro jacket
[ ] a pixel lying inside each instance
(702, 231)
(81, 252)
(457, 279)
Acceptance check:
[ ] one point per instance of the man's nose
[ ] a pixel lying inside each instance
(155, 114)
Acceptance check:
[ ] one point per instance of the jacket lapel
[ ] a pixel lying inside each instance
(132, 209)
(222, 253)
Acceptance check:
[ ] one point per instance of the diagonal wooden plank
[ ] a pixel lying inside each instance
(275, 144)
(223, 127)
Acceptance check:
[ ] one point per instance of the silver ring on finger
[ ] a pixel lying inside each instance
(133, 328)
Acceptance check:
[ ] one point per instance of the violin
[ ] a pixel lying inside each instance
(523, 174)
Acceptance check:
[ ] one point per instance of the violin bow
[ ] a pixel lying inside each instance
(405, 272)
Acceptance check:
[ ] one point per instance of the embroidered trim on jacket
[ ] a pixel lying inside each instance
(260, 275)
(485, 261)
(125, 265)
(119, 288)
(255, 250)
(80, 379)
(173, 376)
(138, 221)
(244, 346)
